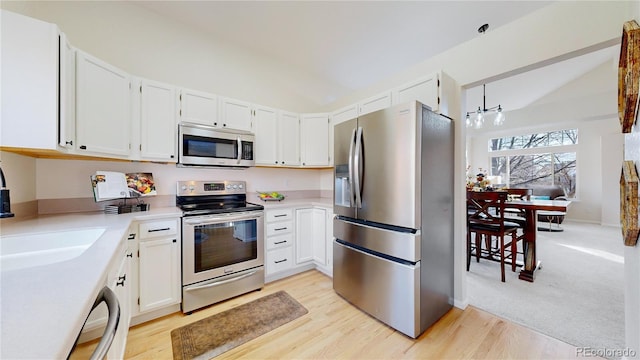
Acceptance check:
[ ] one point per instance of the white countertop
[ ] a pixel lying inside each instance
(43, 308)
(323, 202)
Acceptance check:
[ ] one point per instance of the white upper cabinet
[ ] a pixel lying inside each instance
(277, 137)
(30, 93)
(375, 103)
(314, 139)
(425, 90)
(103, 107)
(198, 107)
(288, 138)
(235, 114)
(67, 99)
(266, 131)
(344, 114)
(158, 124)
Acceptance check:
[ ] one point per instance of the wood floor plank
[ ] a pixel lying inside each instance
(334, 329)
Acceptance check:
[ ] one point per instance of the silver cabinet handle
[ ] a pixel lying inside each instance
(109, 297)
(156, 230)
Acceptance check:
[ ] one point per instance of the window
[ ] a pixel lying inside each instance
(536, 159)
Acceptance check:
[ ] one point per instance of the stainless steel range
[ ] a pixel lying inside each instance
(222, 242)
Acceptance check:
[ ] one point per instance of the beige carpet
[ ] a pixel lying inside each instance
(210, 337)
(577, 296)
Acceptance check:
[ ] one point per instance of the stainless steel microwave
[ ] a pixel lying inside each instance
(201, 145)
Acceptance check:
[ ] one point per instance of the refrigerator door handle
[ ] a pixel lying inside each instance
(351, 178)
(357, 160)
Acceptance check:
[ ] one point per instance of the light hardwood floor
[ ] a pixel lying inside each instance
(334, 329)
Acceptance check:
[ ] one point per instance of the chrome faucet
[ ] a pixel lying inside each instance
(5, 202)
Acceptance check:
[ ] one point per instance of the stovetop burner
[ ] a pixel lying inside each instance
(213, 197)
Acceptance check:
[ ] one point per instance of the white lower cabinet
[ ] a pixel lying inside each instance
(159, 264)
(279, 241)
(311, 242)
(118, 280)
(298, 239)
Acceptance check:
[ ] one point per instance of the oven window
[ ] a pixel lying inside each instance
(200, 146)
(224, 244)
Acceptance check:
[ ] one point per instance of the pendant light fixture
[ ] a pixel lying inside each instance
(477, 118)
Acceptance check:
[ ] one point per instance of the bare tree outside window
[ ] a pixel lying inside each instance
(553, 167)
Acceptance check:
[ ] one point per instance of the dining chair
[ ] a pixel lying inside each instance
(518, 215)
(486, 221)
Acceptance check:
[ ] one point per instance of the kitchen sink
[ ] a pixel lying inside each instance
(36, 249)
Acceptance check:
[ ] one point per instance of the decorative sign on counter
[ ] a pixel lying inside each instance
(111, 185)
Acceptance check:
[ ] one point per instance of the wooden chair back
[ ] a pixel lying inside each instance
(486, 209)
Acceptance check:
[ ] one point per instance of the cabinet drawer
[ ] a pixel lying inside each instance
(274, 242)
(279, 228)
(278, 215)
(160, 228)
(279, 259)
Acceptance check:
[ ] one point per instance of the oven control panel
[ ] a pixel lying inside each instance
(193, 187)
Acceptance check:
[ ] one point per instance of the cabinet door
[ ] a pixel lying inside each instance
(158, 127)
(319, 236)
(329, 240)
(235, 114)
(424, 90)
(159, 273)
(67, 131)
(103, 107)
(266, 131)
(375, 103)
(198, 107)
(304, 235)
(29, 81)
(344, 114)
(315, 139)
(134, 264)
(289, 139)
(340, 116)
(122, 291)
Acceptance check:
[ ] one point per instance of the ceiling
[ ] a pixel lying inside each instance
(349, 45)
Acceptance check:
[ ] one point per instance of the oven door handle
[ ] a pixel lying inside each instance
(219, 219)
(220, 282)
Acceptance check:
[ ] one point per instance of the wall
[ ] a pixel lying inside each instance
(20, 175)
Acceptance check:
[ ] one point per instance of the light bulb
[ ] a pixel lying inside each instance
(468, 122)
(499, 119)
(479, 121)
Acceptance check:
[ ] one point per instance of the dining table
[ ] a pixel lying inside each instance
(530, 209)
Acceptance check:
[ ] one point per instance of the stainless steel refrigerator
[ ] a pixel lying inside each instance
(393, 200)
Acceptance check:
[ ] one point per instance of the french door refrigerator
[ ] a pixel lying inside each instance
(393, 229)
